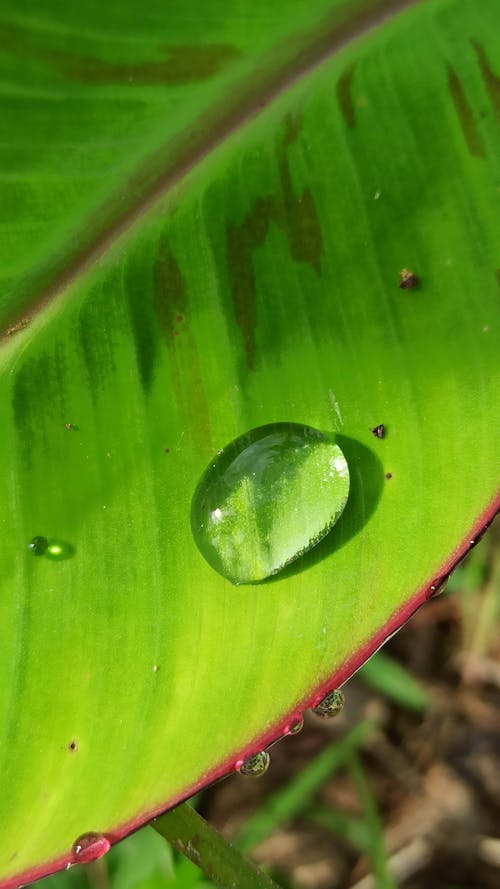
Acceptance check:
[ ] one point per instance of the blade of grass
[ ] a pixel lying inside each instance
(190, 834)
(376, 848)
(295, 796)
(385, 675)
(354, 830)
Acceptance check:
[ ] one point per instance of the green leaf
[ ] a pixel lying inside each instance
(183, 265)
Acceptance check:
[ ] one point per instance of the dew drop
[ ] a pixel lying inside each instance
(52, 548)
(295, 727)
(438, 586)
(256, 765)
(267, 498)
(38, 545)
(88, 847)
(330, 705)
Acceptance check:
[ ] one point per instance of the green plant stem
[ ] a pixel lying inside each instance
(192, 835)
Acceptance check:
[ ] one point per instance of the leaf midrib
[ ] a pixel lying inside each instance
(163, 170)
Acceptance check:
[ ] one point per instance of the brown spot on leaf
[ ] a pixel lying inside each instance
(190, 63)
(491, 80)
(344, 95)
(465, 115)
(170, 287)
(301, 218)
(241, 241)
(378, 431)
(183, 64)
(170, 302)
(408, 280)
(296, 216)
(73, 746)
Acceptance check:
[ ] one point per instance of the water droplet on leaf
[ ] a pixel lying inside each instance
(330, 705)
(88, 847)
(38, 545)
(267, 498)
(256, 765)
(56, 550)
(295, 727)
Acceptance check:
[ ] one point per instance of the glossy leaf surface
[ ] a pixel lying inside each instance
(263, 288)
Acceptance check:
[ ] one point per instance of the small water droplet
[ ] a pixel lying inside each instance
(438, 586)
(38, 545)
(55, 550)
(267, 498)
(330, 705)
(295, 727)
(88, 847)
(256, 765)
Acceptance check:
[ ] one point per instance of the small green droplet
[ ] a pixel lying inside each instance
(56, 550)
(256, 765)
(267, 498)
(331, 705)
(38, 545)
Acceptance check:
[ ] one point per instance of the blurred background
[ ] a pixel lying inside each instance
(401, 789)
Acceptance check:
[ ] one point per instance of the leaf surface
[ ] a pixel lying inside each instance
(263, 287)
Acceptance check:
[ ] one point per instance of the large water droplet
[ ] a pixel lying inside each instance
(88, 847)
(267, 498)
(256, 765)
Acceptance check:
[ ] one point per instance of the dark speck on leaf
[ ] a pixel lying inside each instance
(388, 475)
(71, 426)
(166, 450)
(407, 280)
(378, 431)
(73, 746)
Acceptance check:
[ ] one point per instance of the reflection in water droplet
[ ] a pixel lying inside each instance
(88, 847)
(256, 766)
(38, 545)
(330, 705)
(56, 550)
(295, 727)
(267, 498)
